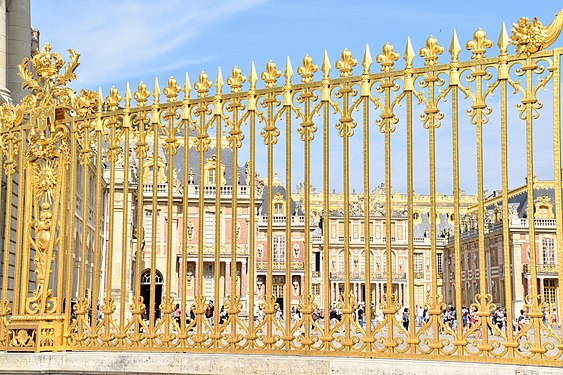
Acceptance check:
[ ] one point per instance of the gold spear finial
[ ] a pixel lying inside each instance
(288, 71)
(253, 77)
(127, 95)
(100, 100)
(503, 40)
(408, 55)
(219, 82)
(325, 68)
(367, 60)
(455, 47)
(156, 91)
(187, 86)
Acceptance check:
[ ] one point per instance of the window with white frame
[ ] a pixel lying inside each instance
(209, 228)
(418, 263)
(148, 225)
(548, 247)
(279, 248)
(439, 262)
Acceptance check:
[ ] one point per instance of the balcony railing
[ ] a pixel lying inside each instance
(541, 268)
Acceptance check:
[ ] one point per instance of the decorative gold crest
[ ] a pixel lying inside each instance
(531, 37)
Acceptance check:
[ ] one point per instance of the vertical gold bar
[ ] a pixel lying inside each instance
(557, 174)
(457, 243)
(483, 312)
(168, 303)
(64, 232)
(535, 314)
(348, 305)
(200, 298)
(269, 311)
(432, 220)
(307, 310)
(327, 338)
(155, 119)
(125, 264)
(69, 251)
(19, 298)
(141, 146)
(390, 311)
(217, 266)
(125, 227)
(507, 256)
(367, 229)
(186, 108)
(233, 311)
(288, 222)
(85, 159)
(9, 167)
(28, 205)
(252, 217)
(108, 301)
(97, 240)
(413, 340)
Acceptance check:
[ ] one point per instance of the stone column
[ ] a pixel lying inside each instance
(4, 93)
(18, 44)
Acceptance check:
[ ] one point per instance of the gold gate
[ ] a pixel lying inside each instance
(150, 227)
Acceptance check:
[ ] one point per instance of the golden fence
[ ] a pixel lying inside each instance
(124, 221)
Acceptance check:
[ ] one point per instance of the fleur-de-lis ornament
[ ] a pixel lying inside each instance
(431, 51)
(202, 85)
(142, 94)
(387, 58)
(346, 63)
(271, 74)
(478, 46)
(113, 100)
(172, 90)
(236, 80)
(307, 70)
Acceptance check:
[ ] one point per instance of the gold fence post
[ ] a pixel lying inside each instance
(38, 325)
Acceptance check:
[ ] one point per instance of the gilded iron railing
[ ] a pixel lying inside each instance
(137, 211)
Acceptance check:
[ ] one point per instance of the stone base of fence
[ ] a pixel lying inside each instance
(106, 363)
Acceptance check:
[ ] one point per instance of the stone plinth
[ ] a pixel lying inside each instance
(195, 364)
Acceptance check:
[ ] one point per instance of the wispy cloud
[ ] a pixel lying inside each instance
(129, 38)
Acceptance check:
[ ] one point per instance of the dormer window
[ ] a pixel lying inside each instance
(211, 176)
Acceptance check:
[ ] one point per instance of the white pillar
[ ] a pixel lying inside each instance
(4, 93)
(19, 44)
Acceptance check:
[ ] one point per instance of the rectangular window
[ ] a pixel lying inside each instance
(439, 262)
(418, 264)
(548, 247)
(209, 228)
(211, 176)
(279, 248)
(148, 225)
(550, 290)
(316, 289)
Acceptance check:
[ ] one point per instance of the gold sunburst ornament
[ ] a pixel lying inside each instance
(44, 180)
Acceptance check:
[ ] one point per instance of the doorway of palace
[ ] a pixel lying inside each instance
(146, 292)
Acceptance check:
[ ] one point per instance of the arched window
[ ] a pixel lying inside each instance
(146, 277)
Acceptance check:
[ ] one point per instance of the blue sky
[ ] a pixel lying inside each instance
(132, 41)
